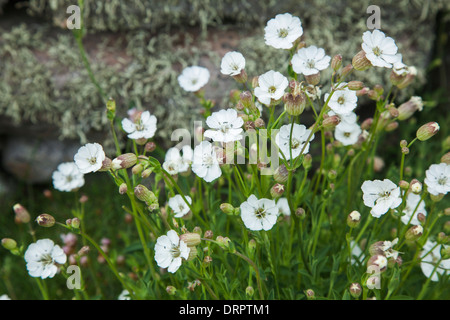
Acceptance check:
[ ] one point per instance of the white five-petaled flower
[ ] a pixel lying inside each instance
(388, 249)
(176, 162)
(5, 297)
(343, 101)
(438, 179)
(143, 127)
(295, 144)
(283, 206)
(89, 158)
(430, 258)
(170, 250)
(380, 50)
(310, 60)
(414, 204)
(259, 214)
(225, 126)
(67, 177)
(347, 133)
(124, 295)
(41, 258)
(381, 196)
(179, 206)
(271, 86)
(232, 63)
(205, 163)
(193, 78)
(282, 31)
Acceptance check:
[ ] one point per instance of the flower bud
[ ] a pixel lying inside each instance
(193, 252)
(331, 122)
(391, 126)
(75, 223)
(376, 248)
(445, 252)
(241, 77)
(446, 158)
(421, 217)
(171, 290)
(123, 188)
(428, 130)
(355, 85)
(249, 291)
(407, 80)
(447, 211)
(442, 238)
(379, 261)
(346, 70)
(353, 219)
(307, 161)
(124, 161)
(147, 196)
(336, 62)
(259, 123)
(191, 239)
(137, 169)
(281, 174)
(393, 111)
(404, 185)
(227, 208)
(208, 234)
(446, 144)
(407, 109)
(9, 244)
(414, 233)
(366, 124)
(22, 214)
(355, 290)
(416, 186)
(251, 245)
(310, 294)
(255, 82)
(277, 190)
(106, 164)
(150, 146)
(295, 101)
(111, 108)
(313, 79)
(300, 212)
(45, 220)
(360, 62)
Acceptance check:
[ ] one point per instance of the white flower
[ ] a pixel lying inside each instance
(343, 101)
(349, 118)
(299, 137)
(67, 177)
(380, 50)
(143, 127)
(225, 126)
(124, 295)
(259, 214)
(175, 162)
(381, 196)
(205, 163)
(5, 297)
(413, 201)
(41, 258)
(438, 179)
(193, 78)
(89, 158)
(429, 260)
(179, 206)
(232, 63)
(387, 247)
(309, 61)
(282, 31)
(357, 253)
(271, 86)
(347, 133)
(169, 250)
(283, 207)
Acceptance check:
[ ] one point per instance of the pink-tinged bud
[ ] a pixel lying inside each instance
(124, 161)
(391, 126)
(48, 194)
(421, 217)
(241, 77)
(300, 212)
(414, 233)
(150, 146)
(295, 101)
(106, 164)
(362, 92)
(84, 198)
(331, 122)
(128, 218)
(428, 130)
(346, 70)
(393, 112)
(366, 124)
(416, 186)
(313, 79)
(9, 244)
(372, 95)
(355, 290)
(171, 290)
(403, 143)
(246, 98)
(281, 174)
(84, 251)
(336, 62)
(249, 125)
(45, 220)
(405, 150)
(259, 123)
(353, 219)
(310, 294)
(75, 223)
(446, 158)
(406, 81)
(378, 88)
(404, 185)
(360, 62)
(191, 239)
(277, 190)
(123, 188)
(407, 109)
(355, 85)
(208, 234)
(22, 215)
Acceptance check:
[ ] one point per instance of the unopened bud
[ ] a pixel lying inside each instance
(421, 217)
(428, 130)
(22, 214)
(355, 290)
(249, 291)
(403, 143)
(310, 294)
(123, 188)
(208, 234)
(300, 212)
(137, 169)
(277, 190)
(9, 244)
(295, 101)
(446, 158)
(145, 195)
(366, 124)
(445, 252)
(442, 238)
(252, 245)
(307, 161)
(75, 223)
(403, 184)
(447, 226)
(259, 123)
(331, 122)
(281, 174)
(84, 250)
(150, 146)
(346, 70)
(124, 161)
(191, 239)
(336, 62)
(45, 220)
(313, 79)
(171, 290)
(353, 219)
(414, 233)
(416, 186)
(391, 126)
(360, 62)
(393, 112)
(355, 85)
(407, 109)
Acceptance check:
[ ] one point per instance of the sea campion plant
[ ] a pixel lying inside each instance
(265, 205)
